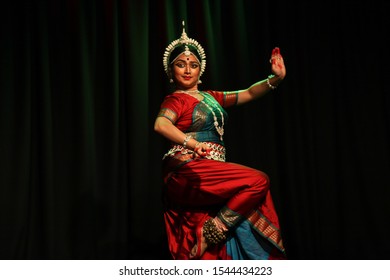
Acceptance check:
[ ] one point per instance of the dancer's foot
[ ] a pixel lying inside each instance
(201, 245)
(212, 232)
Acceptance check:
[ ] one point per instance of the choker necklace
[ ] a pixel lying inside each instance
(212, 101)
(188, 91)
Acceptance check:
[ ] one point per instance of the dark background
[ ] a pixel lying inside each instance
(80, 86)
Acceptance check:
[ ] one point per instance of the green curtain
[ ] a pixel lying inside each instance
(81, 83)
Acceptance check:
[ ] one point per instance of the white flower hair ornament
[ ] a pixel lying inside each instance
(186, 46)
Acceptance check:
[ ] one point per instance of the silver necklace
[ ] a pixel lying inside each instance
(188, 91)
(219, 129)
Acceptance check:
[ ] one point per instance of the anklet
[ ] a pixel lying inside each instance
(212, 234)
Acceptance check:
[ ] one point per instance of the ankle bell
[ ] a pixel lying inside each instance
(212, 234)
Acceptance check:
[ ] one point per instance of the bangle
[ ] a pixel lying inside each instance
(188, 137)
(269, 84)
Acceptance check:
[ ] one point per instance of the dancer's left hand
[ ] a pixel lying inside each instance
(277, 63)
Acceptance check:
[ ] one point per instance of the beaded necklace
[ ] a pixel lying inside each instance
(219, 129)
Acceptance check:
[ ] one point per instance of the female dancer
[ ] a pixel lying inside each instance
(214, 209)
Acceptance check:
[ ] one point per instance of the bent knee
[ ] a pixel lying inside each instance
(262, 180)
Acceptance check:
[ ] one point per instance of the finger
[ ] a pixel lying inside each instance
(275, 55)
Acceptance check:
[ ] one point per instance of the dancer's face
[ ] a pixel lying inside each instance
(185, 72)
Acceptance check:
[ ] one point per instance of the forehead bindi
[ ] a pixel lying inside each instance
(189, 58)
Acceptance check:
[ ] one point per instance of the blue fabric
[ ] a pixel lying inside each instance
(246, 244)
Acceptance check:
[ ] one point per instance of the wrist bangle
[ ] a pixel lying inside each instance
(269, 84)
(188, 137)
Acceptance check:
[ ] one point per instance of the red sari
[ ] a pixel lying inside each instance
(197, 189)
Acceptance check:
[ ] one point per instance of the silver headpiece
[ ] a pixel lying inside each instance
(184, 40)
